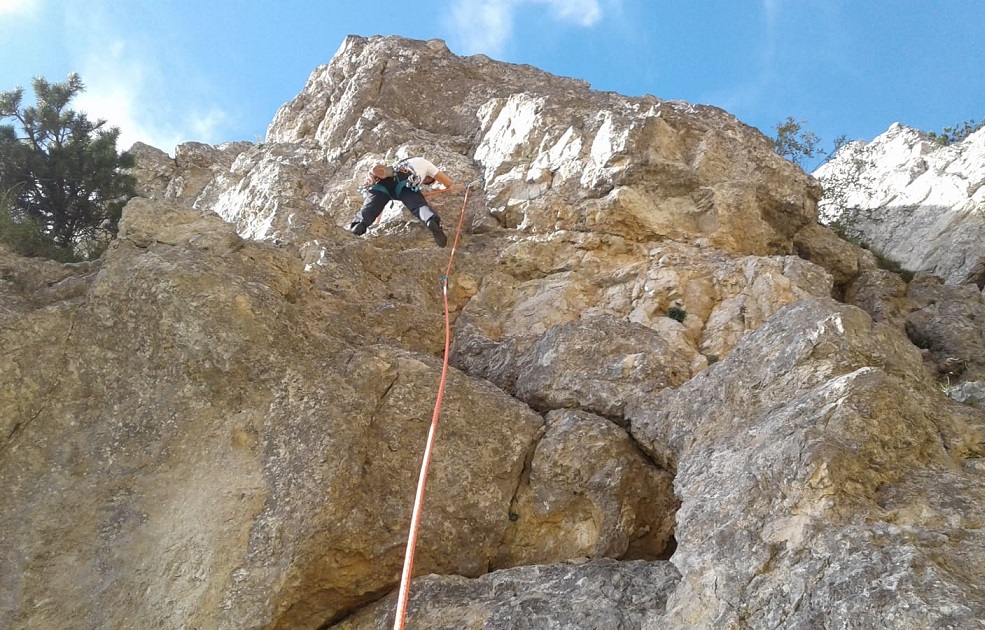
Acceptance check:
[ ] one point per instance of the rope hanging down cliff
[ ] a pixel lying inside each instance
(405, 577)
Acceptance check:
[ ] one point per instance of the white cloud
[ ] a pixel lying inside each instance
(127, 87)
(118, 105)
(486, 26)
(15, 7)
(483, 26)
(123, 101)
(581, 12)
(771, 14)
(206, 125)
(771, 9)
(117, 90)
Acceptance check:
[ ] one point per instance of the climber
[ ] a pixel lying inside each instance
(401, 182)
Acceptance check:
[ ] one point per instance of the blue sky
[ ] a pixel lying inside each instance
(171, 71)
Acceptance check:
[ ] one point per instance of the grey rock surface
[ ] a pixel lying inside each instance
(819, 476)
(596, 594)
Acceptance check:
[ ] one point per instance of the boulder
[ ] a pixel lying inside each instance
(822, 481)
(588, 492)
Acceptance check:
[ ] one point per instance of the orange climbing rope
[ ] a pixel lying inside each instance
(415, 520)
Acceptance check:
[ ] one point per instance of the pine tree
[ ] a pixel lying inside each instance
(61, 170)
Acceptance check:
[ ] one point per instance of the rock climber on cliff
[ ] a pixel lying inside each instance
(401, 182)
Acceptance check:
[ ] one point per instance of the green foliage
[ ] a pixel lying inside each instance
(851, 176)
(61, 171)
(887, 263)
(676, 313)
(25, 237)
(794, 142)
(957, 133)
(839, 142)
(846, 230)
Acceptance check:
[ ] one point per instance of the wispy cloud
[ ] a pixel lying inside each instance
(771, 9)
(486, 26)
(483, 27)
(771, 13)
(127, 86)
(582, 12)
(130, 94)
(18, 7)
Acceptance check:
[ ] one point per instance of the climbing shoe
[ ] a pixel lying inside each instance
(439, 235)
(358, 228)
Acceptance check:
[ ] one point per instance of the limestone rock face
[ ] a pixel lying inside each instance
(818, 475)
(554, 155)
(531, 318)
(881, 294)
(919, 203)
(593, 363)
(943, 320)
(844, 261)
(201, 421)
(655, 414)
(154, 170)
(598, 594)
(949, 323)
(30, 283)
(589, 493)
(184, 178)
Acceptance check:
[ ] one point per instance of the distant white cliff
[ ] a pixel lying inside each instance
(912, 199)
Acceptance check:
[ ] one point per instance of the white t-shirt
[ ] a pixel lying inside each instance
(419, 169)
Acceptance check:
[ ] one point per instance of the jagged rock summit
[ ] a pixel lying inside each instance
(659, 414)
(917, 201)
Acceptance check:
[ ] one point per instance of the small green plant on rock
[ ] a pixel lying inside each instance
(957, 133)
(887, 263)
(676, 313)
(844, 227)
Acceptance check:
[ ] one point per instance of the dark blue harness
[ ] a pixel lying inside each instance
(401, 184)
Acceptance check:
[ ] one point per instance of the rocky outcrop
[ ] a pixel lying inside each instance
(186, 177)
(599, 594)
(588, 492)
(913, 200)
(655, 414)
(921, 205)
(689, 306)
(221, 447)
(821, 478)
(555, 156)
(943, 320)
